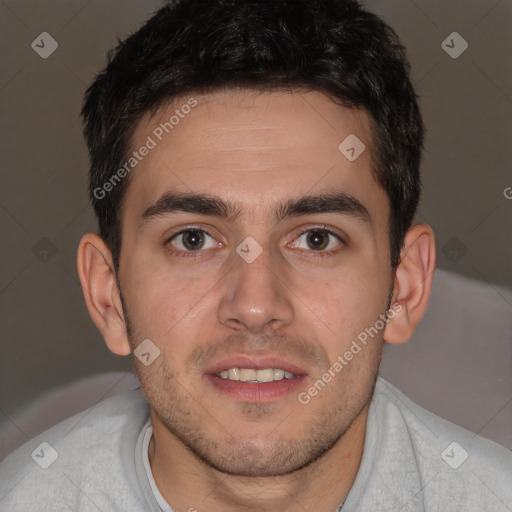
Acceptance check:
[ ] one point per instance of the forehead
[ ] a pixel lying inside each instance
(252, 148)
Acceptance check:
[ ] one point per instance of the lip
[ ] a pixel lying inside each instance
(255, 392)
(250, 391)
(255, 363)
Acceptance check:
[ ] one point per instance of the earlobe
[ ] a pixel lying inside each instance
(412, 283)
(98, 279)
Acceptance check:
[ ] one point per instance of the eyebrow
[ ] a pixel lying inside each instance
(205, 204)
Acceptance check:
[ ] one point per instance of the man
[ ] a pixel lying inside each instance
(255, 173)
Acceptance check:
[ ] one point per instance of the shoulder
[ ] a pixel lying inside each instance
(81, 456)
(454, 464)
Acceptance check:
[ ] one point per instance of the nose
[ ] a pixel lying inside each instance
(254, 297)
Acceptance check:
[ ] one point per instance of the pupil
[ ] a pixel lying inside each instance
(193, 240)
(317, 239)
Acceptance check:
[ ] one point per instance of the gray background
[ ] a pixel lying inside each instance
(47, 338)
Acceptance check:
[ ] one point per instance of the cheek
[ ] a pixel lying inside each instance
(159, 300)
(346, 304)
(346, 292)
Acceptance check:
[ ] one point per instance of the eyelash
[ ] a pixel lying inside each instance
(186, 254)
(323, 254)
(197, 254)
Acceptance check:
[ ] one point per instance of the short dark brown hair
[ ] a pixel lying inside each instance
(200, 46)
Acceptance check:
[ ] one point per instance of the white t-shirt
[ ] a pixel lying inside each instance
(413, 461)
(147, 433)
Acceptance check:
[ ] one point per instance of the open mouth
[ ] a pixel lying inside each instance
(253, 379)
(256, 376)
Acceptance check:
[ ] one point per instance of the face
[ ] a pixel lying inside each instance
(253, 247)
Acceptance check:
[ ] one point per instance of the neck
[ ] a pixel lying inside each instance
(188, 483)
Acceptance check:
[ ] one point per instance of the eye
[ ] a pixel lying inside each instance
(193, 240)
(317, 239)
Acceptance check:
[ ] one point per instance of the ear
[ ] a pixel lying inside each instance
(412, 284)
(98, 279)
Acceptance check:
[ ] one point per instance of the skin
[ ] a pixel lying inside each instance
(256, 150)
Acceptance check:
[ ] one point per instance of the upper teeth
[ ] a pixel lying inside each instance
(251, 375)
